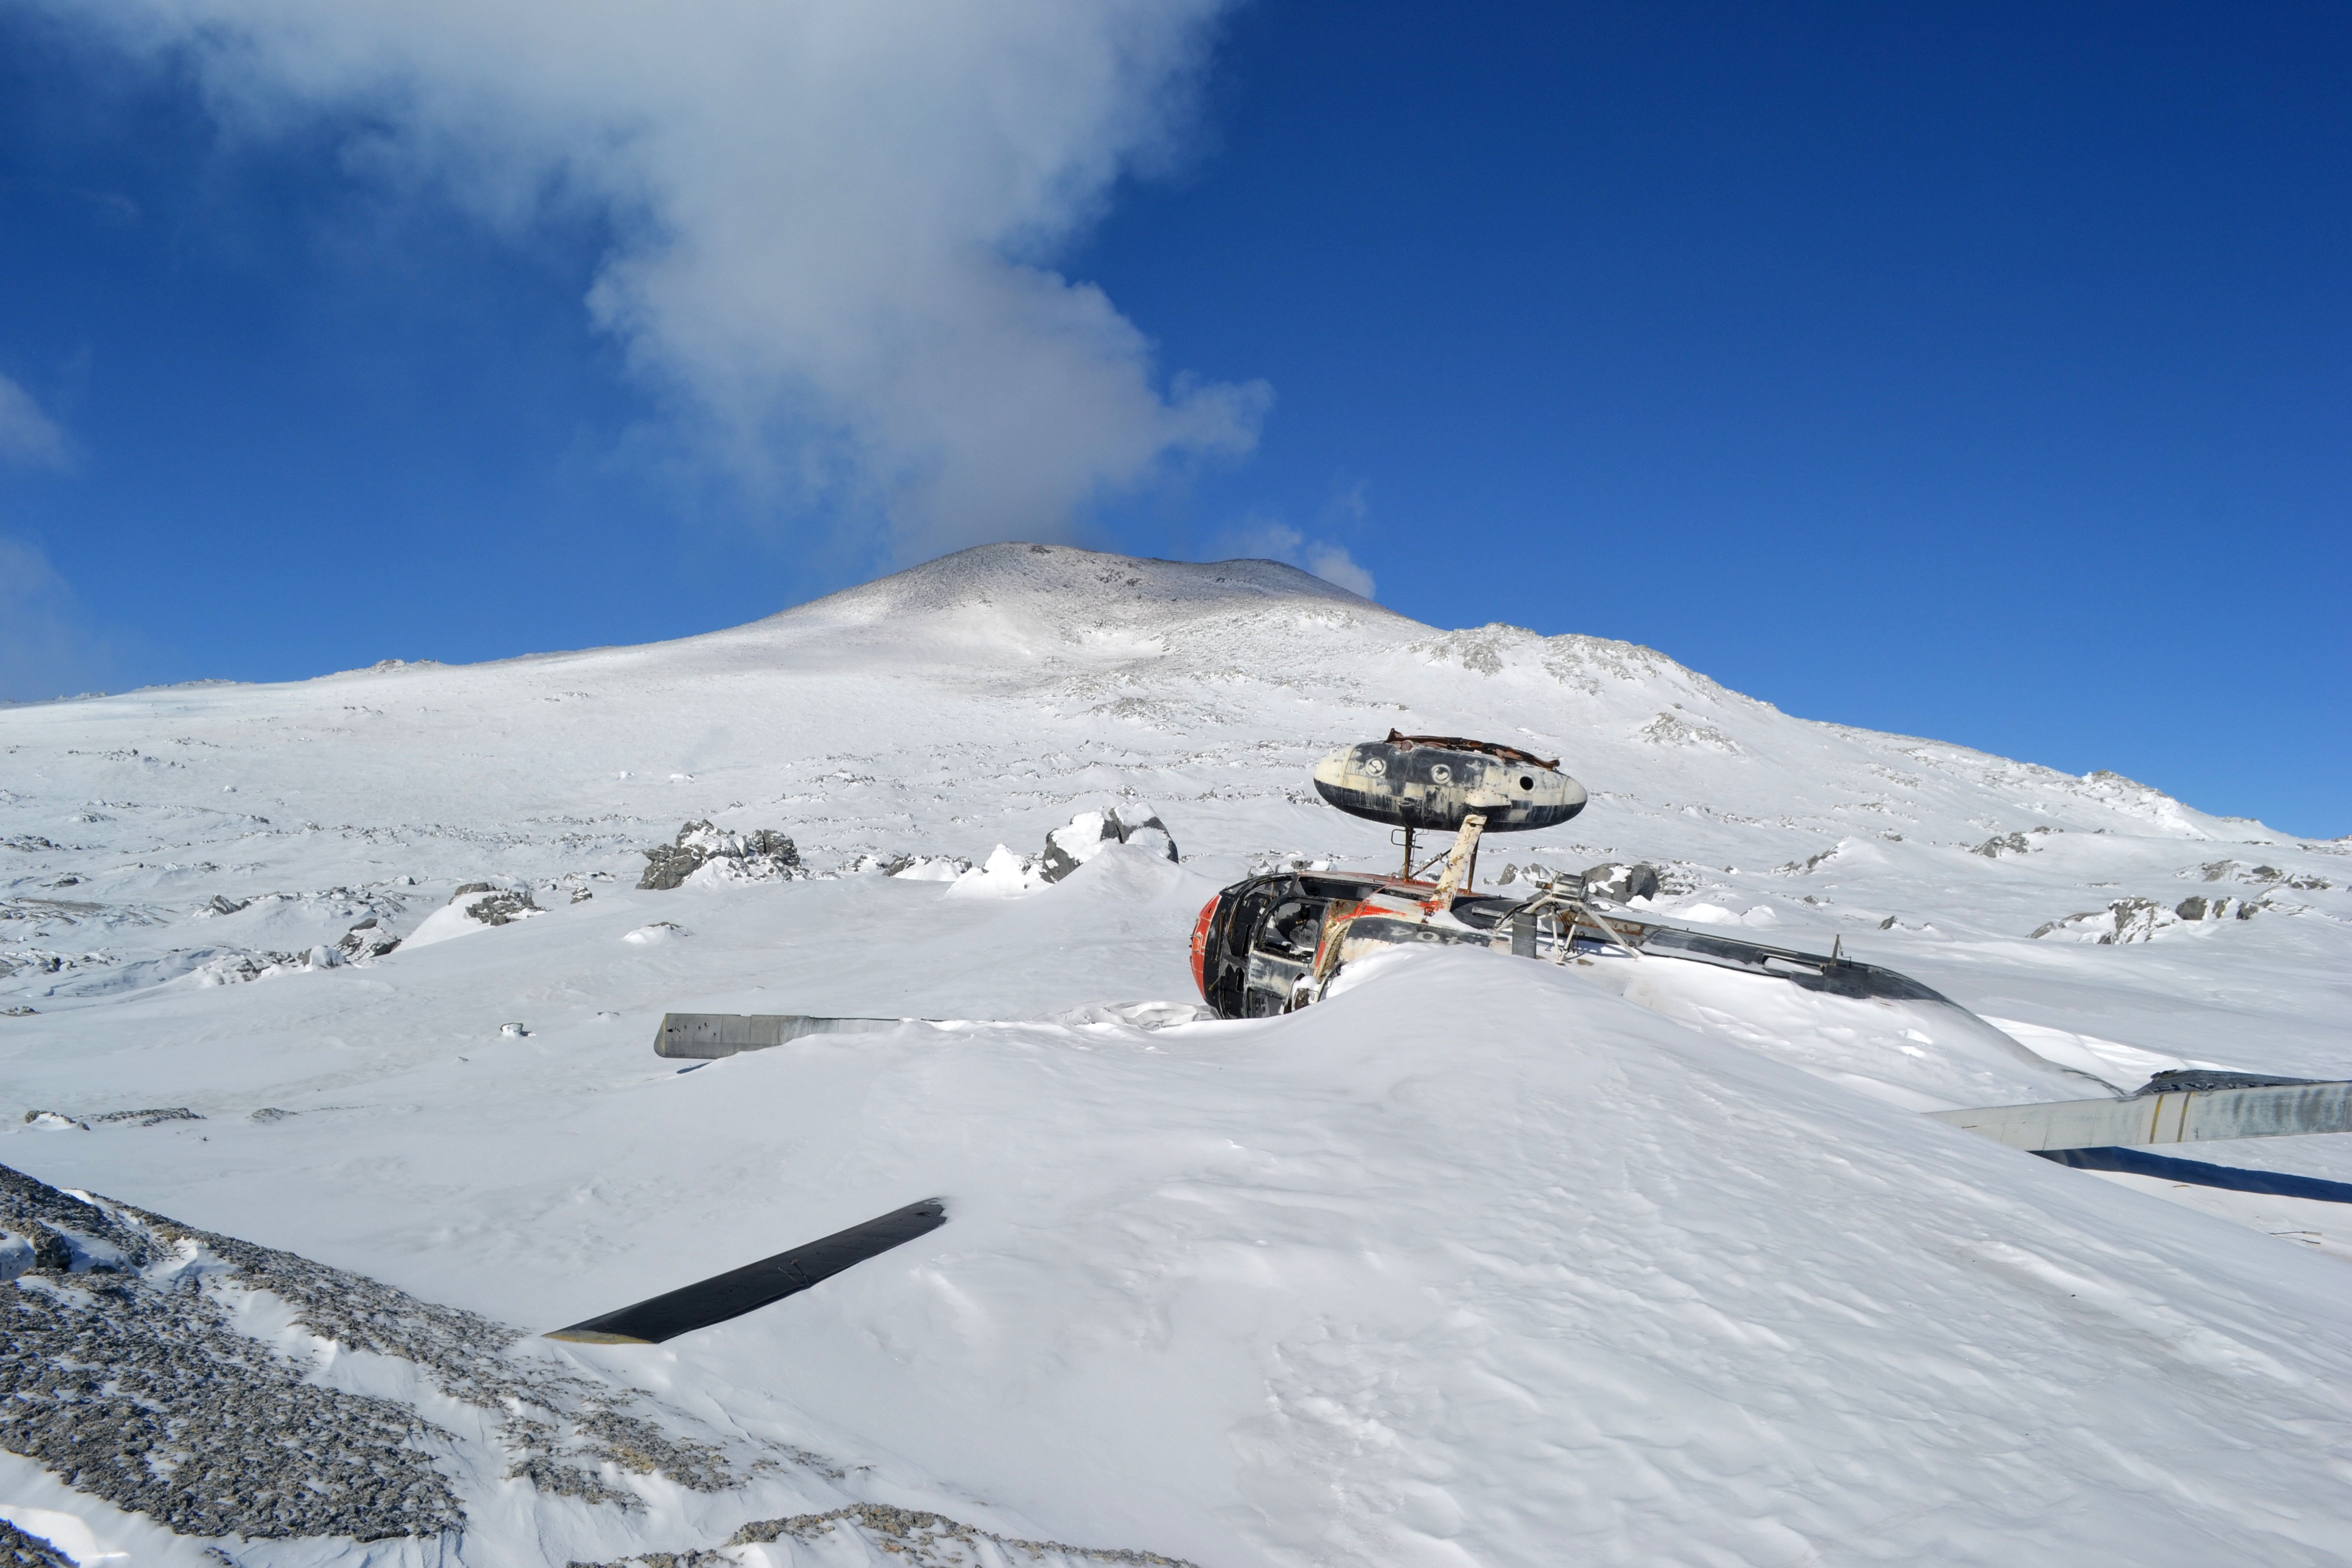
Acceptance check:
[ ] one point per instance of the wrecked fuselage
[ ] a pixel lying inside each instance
(1272, 943)
(1269, 944)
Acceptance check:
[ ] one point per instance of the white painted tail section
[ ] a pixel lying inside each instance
(2188, 1117)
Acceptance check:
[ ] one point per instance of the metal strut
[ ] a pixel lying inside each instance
(1458, 863)
(1563, 899)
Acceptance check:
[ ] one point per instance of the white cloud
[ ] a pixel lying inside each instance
(44, 650)
(1334, 564)
(27, 435)
(1269, 538)
(837, 216)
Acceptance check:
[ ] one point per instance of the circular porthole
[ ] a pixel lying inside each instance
(1527, 780)
(1440, 774)
(1376, 766)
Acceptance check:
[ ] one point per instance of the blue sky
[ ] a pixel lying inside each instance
(1981, 373)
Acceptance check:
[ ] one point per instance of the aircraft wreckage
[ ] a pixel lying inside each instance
(1273, 944)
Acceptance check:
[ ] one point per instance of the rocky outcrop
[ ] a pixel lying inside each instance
(127, 1370)
(933, 1541)
(2261, 876)
(2199, 907)
(2140, 920)
(1620, 883)
(365, 942)
(495, 906)
(239, 966)
(1081, 838)
(1669, 730)
(150, 1398)
(880, 1532)
(762, 855)
(2001, 843)
(2122, 921)
(25, 1550)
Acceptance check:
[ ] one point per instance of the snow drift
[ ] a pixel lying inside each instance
(1479, 1261)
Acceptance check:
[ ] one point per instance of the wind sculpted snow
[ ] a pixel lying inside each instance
(1479, 1261)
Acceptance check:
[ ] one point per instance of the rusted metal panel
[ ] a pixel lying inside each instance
(2196, 1116)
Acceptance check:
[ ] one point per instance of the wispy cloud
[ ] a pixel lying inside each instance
(44, 650)
(27, 435)
(1270, 539)
(838, 216)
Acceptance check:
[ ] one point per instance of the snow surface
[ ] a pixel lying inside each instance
(1482, 1261)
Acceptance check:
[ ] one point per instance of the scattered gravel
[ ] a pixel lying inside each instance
(123, 1370)
(18, 1549)
(153, 1117)
(910, 1536)
(135, 1388)
(928, 1539)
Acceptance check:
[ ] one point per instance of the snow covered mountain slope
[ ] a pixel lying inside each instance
(1480, 1262)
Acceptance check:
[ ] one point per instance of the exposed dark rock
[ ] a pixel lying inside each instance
(149, 1398)
(934, 1541)
(124, 1372)
(1618, 882)
(1076, 842)
(2305, 883)
(671, 864)
(2229, 871)
(52, 1253)
(19, 1549)
(152, 1118)
(2012, 843)
(761, 855)
(499, 908)
(1140, 824)
(366, 941)
(766, 842)
(2124, 921)
(237, 968)
(1809, 862)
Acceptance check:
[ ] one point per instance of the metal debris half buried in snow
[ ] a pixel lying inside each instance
(756, 1285)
